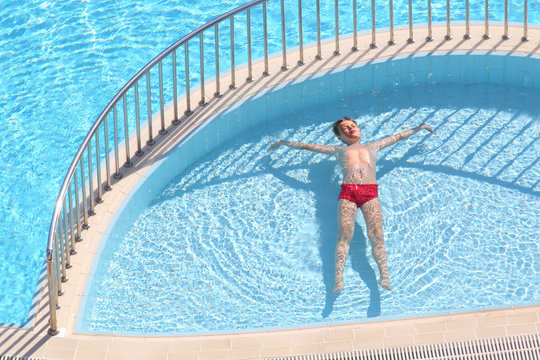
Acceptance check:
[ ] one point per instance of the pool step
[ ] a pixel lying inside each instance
(522, 347)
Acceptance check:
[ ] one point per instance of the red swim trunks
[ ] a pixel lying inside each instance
(359, 193)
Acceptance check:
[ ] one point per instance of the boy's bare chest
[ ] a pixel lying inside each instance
(358, 155)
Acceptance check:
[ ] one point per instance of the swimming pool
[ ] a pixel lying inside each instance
(243, 229)
(61, 62)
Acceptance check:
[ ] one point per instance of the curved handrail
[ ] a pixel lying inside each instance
(117, 97)
(62, 236)
(60, 202)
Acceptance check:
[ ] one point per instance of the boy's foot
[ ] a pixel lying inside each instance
(339, 287)
(385, 284)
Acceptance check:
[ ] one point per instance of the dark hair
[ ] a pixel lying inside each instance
(335, 126)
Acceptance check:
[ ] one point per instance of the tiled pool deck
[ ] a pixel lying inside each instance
(35, 343)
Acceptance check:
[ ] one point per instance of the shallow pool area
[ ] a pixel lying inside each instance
(241, 228)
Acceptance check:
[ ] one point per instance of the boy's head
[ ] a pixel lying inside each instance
(346, 129)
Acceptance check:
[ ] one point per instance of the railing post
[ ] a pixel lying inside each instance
(128, 162)
(83, 188)
(217, 93)
(66, 241)
(525, 36)
(90, 179)
(202, 102)
(448, 35)
(467, 21)
(77, 209)
(373, 44)
(107, 159)
(232, 86)
(99, 198)
(284, 66)
(53, 327)
(58, 270)
(391, 18)
(162, 131)
(248, 29)
(318, 9)
(430, 28)
(188, 87)
(355, 25)
(265, 34)
(176, 120)
(150, 140)
(336, 26)
(505, 35)
(139, 151)
(62, 253)
(71, 228)
(117, 174)
(410, 40)
(300, 35)
(486, 21)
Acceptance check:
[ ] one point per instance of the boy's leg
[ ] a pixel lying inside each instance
(374, 220)
(346, 216)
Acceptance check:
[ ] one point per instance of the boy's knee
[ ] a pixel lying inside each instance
(375, 234)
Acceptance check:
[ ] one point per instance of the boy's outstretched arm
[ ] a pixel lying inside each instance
(323, 149)
(391, 140)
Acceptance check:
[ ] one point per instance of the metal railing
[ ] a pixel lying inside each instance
(81, 189)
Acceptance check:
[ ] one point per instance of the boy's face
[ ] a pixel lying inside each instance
(349, 132)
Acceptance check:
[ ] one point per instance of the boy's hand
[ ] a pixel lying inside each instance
(428, 128)
(275, 145)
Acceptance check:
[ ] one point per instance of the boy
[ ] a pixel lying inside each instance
(359, 190)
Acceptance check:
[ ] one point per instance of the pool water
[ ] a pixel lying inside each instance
(244, 238)
(62, 61)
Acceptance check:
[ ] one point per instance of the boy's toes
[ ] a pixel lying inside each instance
(385, 284)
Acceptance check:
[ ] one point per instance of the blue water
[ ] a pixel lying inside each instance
(61, 62)
(245, 238)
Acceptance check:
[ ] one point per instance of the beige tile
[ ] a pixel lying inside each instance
(90, 355)
(368, 343)
(490, 332)
(251, 342)
(520, 329)
(245, 354)
(137, 345)
(399, 330)
(303, 337)
(305, 349)
(276, 351)
(459, 324)
(332, 346)
(429, 338)
(523, 318)
(183, 345)
(341, 334)
(185, 355)
(403, 340)
(214, 355)
(112, 355)
(490, 320)
(361, 334)
(459, 335)
(59, 354)
(430, 326)
(216, 344)
(93, 345)
(61, 343)
(276, 340)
